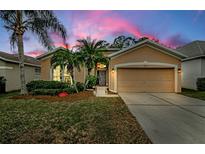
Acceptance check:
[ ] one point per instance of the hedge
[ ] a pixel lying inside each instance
(40, 84)
(52, 88)
(52, 92)
(200, 84)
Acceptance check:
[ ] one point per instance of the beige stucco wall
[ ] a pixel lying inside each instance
(80, 75)
(13, 75)
(144, 53)
(45, 68)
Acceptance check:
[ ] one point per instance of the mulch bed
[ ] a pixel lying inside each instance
(70, 97)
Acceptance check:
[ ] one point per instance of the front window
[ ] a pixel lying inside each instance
(37, 73)
(57, 74)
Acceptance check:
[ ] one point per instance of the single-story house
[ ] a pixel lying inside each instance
(145, 67)
(9, 69)
(193, 65)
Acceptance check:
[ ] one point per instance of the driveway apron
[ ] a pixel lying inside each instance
(168, 117)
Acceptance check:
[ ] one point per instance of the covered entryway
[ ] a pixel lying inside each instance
(145, 80)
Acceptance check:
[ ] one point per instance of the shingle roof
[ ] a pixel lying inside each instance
(14, 59)
(193, 49)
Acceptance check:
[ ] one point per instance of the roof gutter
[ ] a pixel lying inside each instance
(195, 57)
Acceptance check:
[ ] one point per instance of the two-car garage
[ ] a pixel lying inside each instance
(145, 80)
(145, 67)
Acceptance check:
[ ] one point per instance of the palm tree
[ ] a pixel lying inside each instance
(60, 58)
(66, 59)
(39, 23)
(91, 51)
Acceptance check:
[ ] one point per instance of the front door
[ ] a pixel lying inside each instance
(102, 78)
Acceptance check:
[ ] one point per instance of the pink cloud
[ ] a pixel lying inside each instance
(59, 44)
(100, 24)
(57, 40)
(175, 41)
(34, 53)
(103, 24)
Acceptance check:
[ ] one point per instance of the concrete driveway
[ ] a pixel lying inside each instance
(168, 117)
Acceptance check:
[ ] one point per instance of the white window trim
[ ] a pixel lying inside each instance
(147, 64)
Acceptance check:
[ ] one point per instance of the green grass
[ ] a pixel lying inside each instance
(93, 120)
(194, 93)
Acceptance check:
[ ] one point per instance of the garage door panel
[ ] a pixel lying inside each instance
(145, 80)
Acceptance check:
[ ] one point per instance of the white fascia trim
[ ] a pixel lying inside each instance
(145, 64)
(13, 61)
(195, 57)
(47, 53)
(5, 68)
(172, 50)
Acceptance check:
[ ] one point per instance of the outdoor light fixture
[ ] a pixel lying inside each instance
(101, 66)
(179, 70)
(113, 70)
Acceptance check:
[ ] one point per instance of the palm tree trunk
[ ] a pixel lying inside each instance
(21, 53)
(89, 71)
(95, 71)
(62, 74)
(72, 75)
(63, 70)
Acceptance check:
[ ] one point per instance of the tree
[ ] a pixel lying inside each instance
(39, 23)
(60, 58)
(123, 42)
(91, 51)
(67, 59)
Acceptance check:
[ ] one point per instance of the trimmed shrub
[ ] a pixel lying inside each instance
(91, 81)
(200, 84)
(51, 92)
(40, 84)
(70, 90)
(80, 86)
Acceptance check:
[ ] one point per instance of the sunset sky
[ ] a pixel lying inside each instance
(172, 28)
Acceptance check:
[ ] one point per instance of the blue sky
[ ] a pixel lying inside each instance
(172, 28)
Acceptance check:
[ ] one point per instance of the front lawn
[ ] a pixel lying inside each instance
(87, 120)
(194, 93)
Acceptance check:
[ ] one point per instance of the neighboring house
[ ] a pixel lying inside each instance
(193, 66)
(9, 68)
(144, 67)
